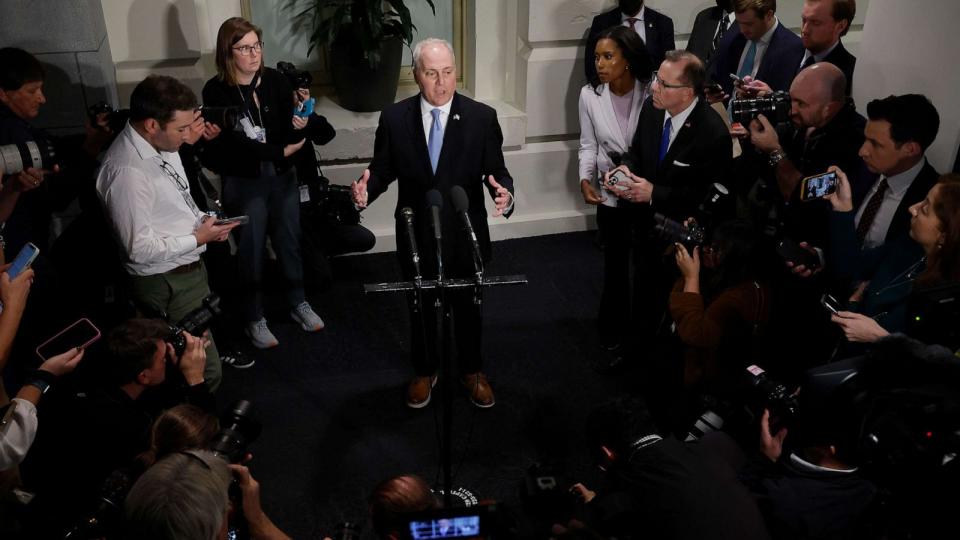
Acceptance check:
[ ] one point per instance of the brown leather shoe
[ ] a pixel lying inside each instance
(418, 393)
(481, 394)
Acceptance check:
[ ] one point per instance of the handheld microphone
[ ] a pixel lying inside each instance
(435, 203)
(407, 215)
(461, 204)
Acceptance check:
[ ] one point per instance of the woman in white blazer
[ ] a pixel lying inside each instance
(608, 120)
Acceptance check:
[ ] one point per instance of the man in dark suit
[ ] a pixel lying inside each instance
(760, 48)
(436, 140)
(655, 28)
(709, 28)
(823, 23)
(680, 148)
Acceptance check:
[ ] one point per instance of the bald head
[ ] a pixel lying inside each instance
(818, 93)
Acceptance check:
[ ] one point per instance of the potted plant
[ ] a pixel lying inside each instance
(364, 39)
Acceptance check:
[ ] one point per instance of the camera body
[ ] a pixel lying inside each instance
(116, 118)
(776, 107)
(195, 323)
(766, 393)
(690, 235)
(298, 78)
(225, 117)
(238, 428)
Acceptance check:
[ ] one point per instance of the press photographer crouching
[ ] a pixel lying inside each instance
(721, 310)
(185, 496)
(106, 423)
(657, 487)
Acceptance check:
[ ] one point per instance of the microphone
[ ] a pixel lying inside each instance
(407, 215)
(435, 203)
(461, 204)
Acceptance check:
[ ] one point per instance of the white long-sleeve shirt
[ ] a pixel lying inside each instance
(153, 217)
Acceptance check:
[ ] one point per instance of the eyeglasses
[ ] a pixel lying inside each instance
(247, 50)
(660, 82)
(182, 185)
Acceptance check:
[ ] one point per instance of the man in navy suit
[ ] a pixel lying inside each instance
(823, 23)
(655, 28)
(760, 48)
(436, 140)
(681, 147)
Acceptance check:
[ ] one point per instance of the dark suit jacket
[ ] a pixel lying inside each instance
(659, 30)
(701, 37)
(900, 224)
(700, 155)
(842, 58)
(777, 67)
(471, 151)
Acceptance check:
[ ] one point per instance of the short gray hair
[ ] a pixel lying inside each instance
(182, 497)
(422, 44)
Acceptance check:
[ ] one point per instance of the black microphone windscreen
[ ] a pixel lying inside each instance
(460, 201)
(434, 198)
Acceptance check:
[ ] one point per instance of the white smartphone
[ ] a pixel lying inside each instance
(618, 180)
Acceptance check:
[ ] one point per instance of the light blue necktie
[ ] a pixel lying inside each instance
(748, 61)
(436, 139)
(665, 140)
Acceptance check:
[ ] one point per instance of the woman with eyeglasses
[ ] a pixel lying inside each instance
(608, 120)
(889, 275)
(259, 180)
(720, 308)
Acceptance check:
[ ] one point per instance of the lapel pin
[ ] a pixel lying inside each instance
(456, 117)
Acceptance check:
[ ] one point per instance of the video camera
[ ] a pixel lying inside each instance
(775, 106)
(476, 522)
(298, 78)
(195, 323)
(16, 157)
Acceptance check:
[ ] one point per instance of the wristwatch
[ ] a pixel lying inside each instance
(41, 379)
(776, 157)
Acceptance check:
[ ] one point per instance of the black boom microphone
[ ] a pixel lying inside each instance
(461, 204)
(435, 203)
(407, 215)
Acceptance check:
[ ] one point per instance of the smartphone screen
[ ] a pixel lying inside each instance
(818, 186)
(23, 260)
(830, 303)
(79, 334)
(237, 219)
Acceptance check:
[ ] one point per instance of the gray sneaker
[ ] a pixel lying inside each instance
(308, 319)
(260, 335)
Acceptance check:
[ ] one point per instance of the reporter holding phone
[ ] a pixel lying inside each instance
(259, 179)
(887, 275)
(608, 120)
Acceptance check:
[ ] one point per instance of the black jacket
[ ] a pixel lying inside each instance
(232, 153)
(777, 67)
(700, 155)
(842, 58)
(701, 37)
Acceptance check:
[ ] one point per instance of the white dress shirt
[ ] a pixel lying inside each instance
(676, 122)
(17, 433)
(762, 44)
(152, 217)
(897, 186)
(427, 116)
(640, 27)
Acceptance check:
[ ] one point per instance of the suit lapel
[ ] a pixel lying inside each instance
(415, 129)
(609, 116)
(684, 134)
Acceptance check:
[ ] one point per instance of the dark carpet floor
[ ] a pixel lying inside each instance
(332, 403)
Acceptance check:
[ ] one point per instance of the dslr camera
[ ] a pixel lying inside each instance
(116, 118)
(16, 157)
(238, 428)
(195, 323)
(298, 78)
(776, 107)
(690, 234)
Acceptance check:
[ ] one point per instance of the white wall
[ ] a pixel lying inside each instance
(909, 50)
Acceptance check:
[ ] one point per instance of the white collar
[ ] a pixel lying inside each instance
(676, 122)
(638, 16)
(765, 38)
(821, 56)
(143, 147)
(899, 183)
(426, 107)
(806, 465)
